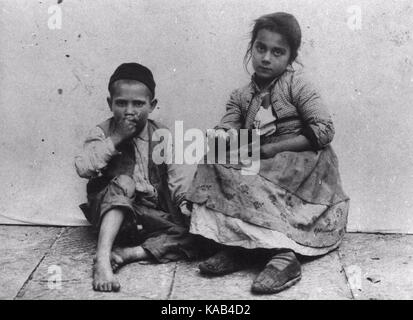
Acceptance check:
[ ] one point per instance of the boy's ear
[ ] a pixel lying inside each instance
(154, 102)
(109, 101)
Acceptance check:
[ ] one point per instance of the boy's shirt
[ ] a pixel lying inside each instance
(98, 150)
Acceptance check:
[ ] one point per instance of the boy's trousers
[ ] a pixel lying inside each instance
(162, 235)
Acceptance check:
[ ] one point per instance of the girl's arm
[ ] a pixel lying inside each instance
(297, 144)
(318, 128)
(233, 116)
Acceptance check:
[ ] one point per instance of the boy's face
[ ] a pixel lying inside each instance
(131, 100)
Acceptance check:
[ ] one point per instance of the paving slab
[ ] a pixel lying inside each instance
(366, 266)
(322, 278)
(73, 254)
(21, 250)
(378, 266)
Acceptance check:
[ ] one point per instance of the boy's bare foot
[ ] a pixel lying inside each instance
(103, 278)
(121, 256)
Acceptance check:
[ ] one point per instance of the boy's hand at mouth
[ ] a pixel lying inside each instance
(124, 130)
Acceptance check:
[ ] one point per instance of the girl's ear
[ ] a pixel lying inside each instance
(154, 102)
(109, 101)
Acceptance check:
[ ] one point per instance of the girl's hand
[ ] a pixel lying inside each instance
(220, 134)
(268, 151)
(185, 209)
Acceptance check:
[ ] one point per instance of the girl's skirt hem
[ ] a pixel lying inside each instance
(232, 231)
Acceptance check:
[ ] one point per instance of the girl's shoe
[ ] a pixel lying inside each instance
(280, 273)
(224, 262)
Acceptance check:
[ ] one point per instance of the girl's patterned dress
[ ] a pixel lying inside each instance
(296, 200)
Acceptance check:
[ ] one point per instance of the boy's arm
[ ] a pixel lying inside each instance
(96, 152)
(179, 176)
(179, 179)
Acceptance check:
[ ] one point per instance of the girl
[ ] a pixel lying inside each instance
(295, 204)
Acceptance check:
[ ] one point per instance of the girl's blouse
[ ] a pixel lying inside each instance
(296, 104)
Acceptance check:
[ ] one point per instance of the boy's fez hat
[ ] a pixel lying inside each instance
(134, 71)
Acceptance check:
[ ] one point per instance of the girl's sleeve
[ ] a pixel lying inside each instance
(233, 115)
(318, 125)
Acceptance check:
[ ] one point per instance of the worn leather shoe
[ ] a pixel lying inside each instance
(280, 273)
(224, 262)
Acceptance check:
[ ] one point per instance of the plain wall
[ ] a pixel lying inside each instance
(53, 90)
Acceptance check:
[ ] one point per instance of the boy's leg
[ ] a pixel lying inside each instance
(110, 208)
(107, 259)
(165, 240)
(124, 255)
(103, 278)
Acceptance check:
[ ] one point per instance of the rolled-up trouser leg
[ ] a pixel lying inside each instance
(165, 240)
(119, 193)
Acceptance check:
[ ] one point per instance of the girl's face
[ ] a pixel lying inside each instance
(270, 54)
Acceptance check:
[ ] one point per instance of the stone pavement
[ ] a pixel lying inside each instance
(366, 266)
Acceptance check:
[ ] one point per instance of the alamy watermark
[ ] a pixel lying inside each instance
(354, 21)
(55, 17)
(54, 281)
(215, 147)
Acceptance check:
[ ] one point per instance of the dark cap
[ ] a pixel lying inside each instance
(133, 71)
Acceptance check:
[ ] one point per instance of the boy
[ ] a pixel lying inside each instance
(130, 198)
